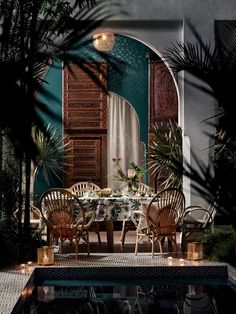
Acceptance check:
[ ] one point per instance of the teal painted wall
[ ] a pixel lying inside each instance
(127, 76)
(53, 99)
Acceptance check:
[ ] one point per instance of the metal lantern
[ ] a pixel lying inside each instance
(194, 251)
(45, 255)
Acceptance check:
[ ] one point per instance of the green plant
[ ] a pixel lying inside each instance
(214, 65)
(132, 177)
(50, 153)
(219, 245)
(165, 153)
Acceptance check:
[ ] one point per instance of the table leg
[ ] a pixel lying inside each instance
(110, 238)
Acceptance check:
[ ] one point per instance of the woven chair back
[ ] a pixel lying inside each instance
(81, 188)
(165, 210)
(61, 209)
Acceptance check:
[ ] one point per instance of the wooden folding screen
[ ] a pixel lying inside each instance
(85, 125)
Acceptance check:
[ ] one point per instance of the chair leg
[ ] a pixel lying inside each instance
(183, 242)
(88, 245)
(76, 249)
(160, 244)
(152, 247)
(136, 246)
(123, 233)
(98, 233)
(138, 238)
(86, 240)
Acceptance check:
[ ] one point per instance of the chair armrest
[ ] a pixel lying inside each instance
(89, 218)
(139, 221)
(191, 209)
(36, 211)
(137, 212)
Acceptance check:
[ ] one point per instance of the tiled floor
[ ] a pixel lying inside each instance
(13, 280)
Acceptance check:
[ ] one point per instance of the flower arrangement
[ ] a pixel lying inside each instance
(131, 178)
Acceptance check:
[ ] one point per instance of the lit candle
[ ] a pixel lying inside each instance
(170, 260)
(24, 293)
(22, 266)
(181, 262)
(45, 259)
(30, 264)
(45, 290)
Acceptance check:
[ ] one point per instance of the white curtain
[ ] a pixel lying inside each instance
(123, 136)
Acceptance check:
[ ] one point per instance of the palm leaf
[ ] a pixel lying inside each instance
(51, 151)
(165, 153)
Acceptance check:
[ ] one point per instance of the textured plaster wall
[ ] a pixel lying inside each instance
(160, 30)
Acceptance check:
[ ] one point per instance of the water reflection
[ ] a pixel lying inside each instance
(134, 299)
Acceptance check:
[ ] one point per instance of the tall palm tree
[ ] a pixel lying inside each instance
(216, 66)
(33, 34)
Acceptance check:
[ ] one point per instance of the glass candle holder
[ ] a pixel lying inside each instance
(181, 262)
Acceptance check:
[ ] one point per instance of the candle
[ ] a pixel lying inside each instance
(170, 260)
(22, 266)
(30, 264)
(45, 290)
(181, 262)
(45, 259)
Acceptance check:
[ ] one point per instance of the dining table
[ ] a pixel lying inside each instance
(113, 208)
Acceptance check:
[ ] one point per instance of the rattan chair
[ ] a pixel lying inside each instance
(162, 218)
(132, 224)
(196, 221)
(80, 189)
(65, 217)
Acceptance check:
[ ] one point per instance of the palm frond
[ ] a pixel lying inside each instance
(51, 150)
(165, 153)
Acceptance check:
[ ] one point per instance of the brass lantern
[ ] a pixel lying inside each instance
(194, 251)
(45, 255)
(104, 41)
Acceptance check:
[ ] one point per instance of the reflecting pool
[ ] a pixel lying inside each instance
(131, 297)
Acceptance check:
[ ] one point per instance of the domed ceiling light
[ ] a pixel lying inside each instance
(104, 41)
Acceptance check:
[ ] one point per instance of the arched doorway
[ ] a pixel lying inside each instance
(143, 79)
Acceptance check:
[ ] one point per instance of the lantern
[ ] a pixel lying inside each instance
(104, 41)
(45, 255)
(194, 251)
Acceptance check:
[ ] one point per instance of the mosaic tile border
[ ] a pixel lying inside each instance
(113, 273)
(16, 287)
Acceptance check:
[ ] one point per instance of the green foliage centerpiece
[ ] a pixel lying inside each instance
(132, 178)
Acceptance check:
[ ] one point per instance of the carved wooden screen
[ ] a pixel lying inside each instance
(163, 97)
(85, 125)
